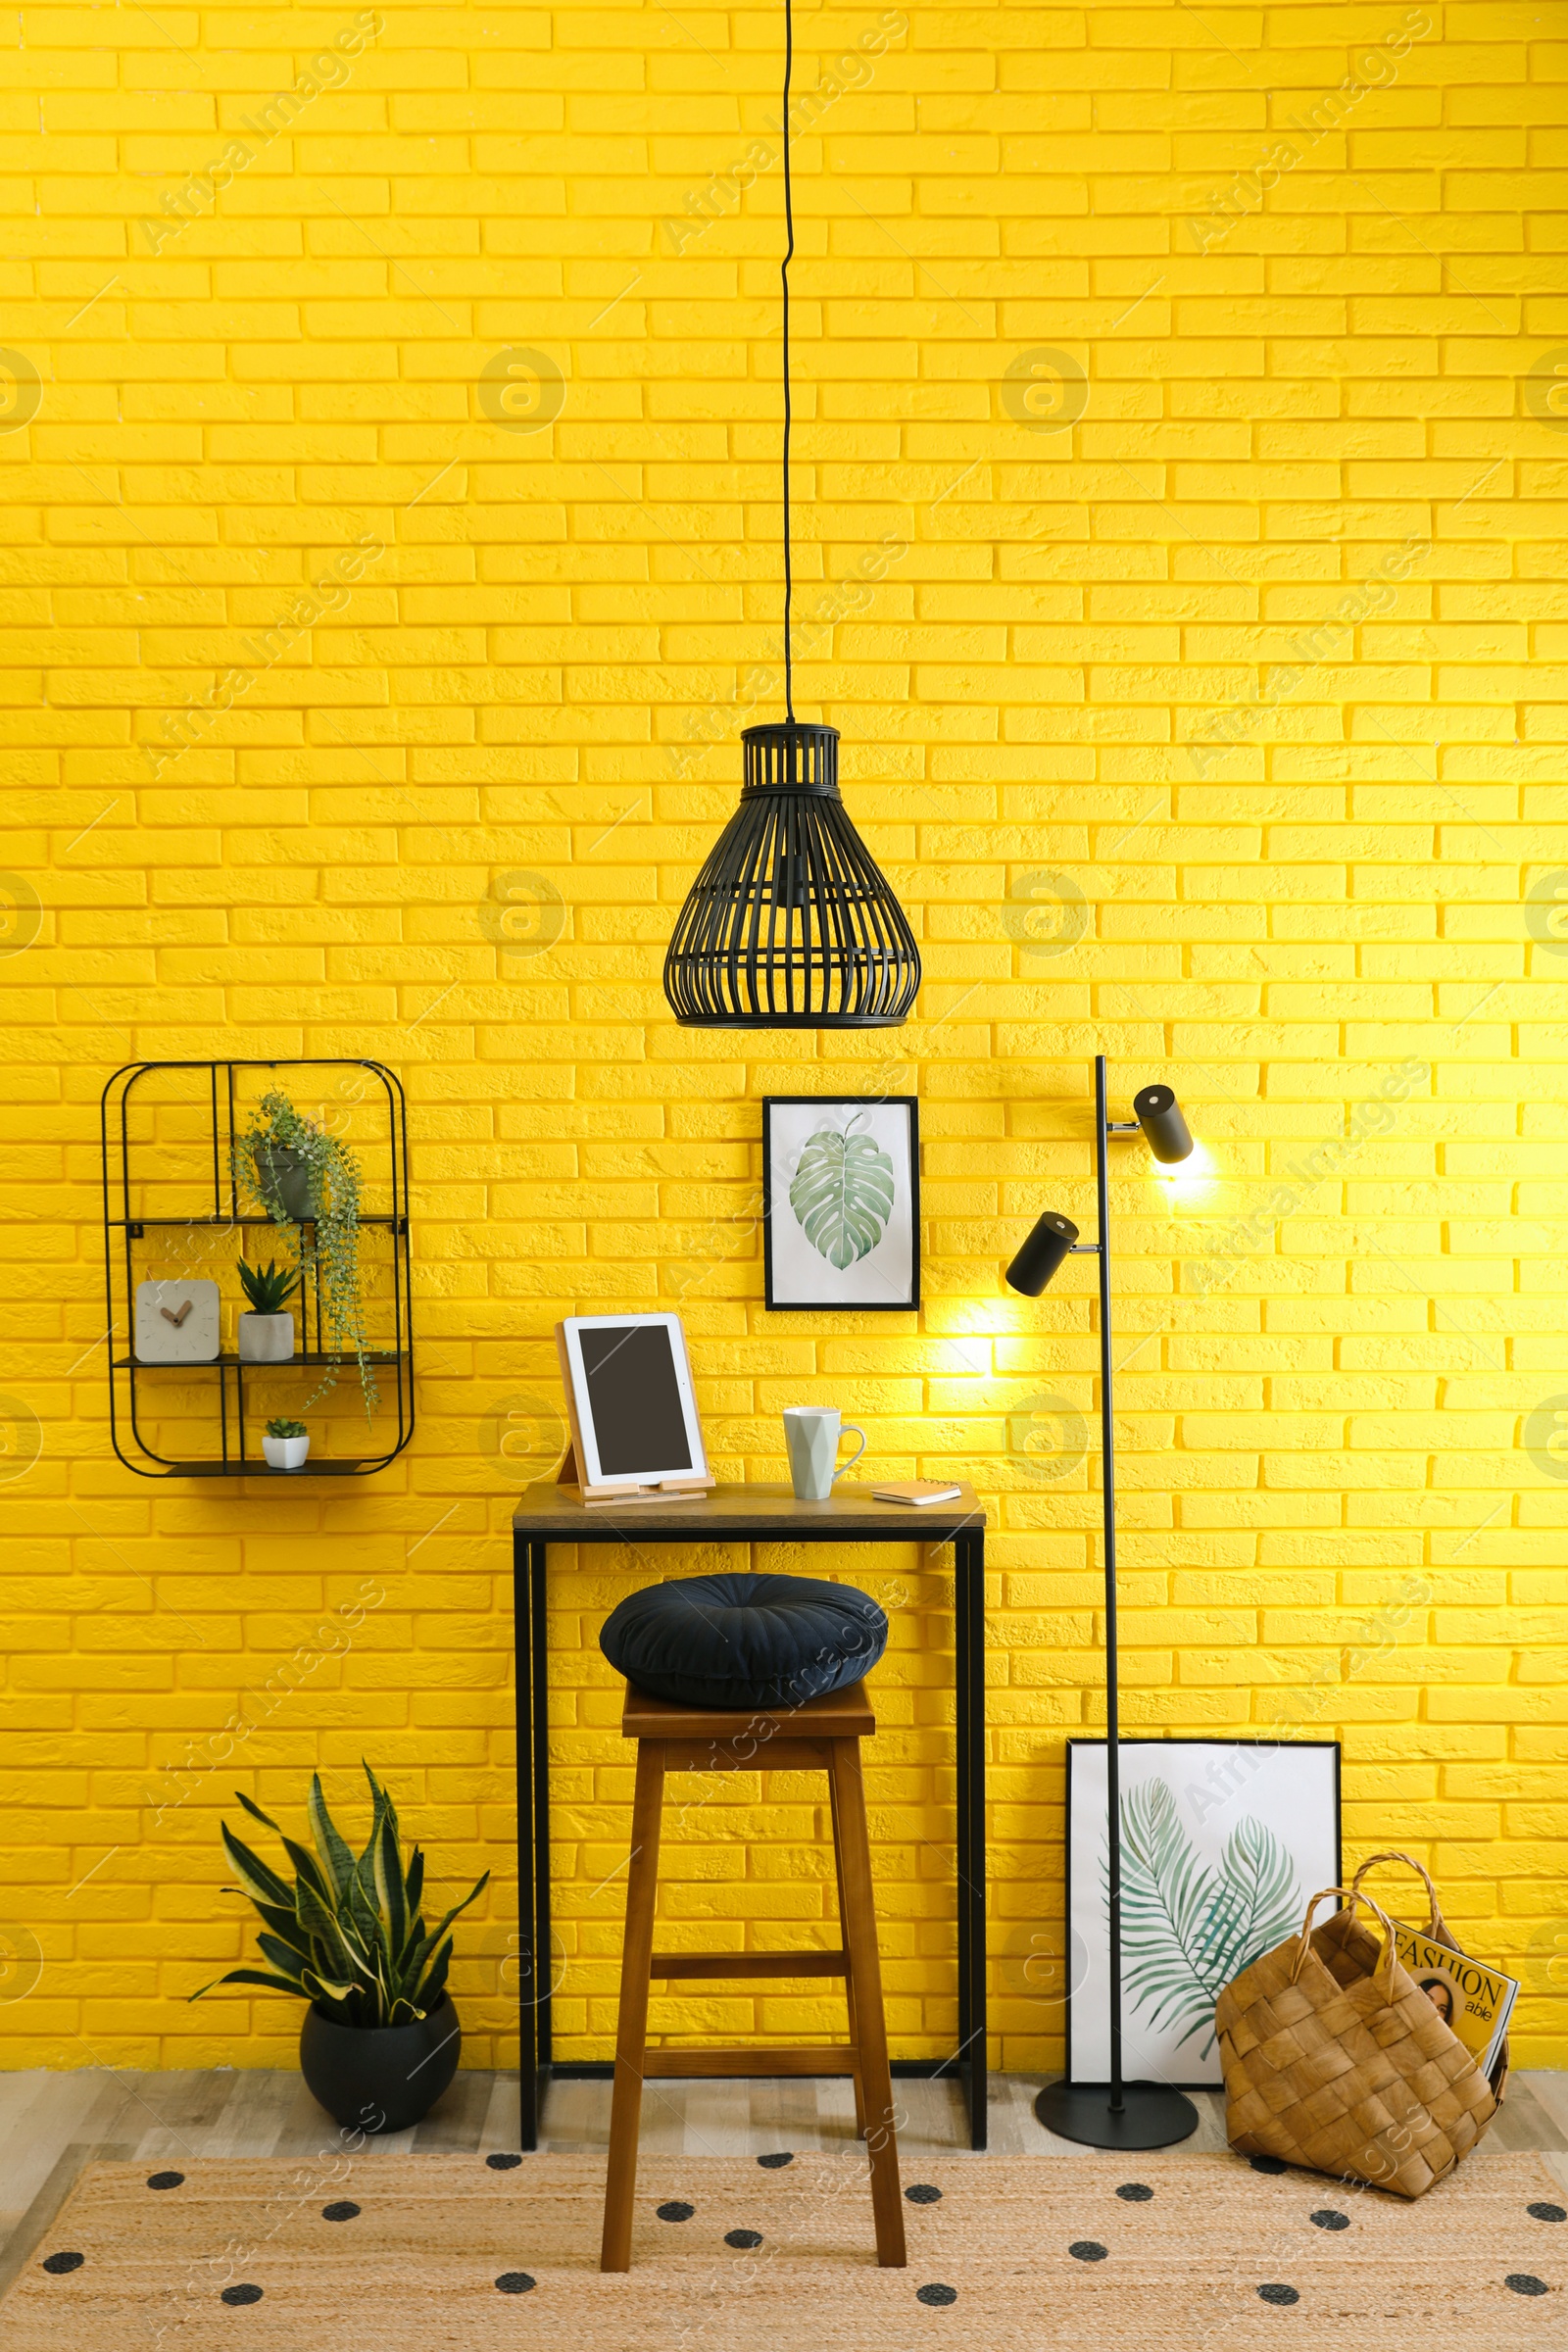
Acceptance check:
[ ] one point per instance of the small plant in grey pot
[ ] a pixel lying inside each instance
(286, 1443)
(266, 1333)
(380, 2038)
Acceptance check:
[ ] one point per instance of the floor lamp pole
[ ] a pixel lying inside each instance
(1108, 1501)
(1117, 2113)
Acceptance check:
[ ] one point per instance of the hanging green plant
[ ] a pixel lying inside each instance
(308, 1183)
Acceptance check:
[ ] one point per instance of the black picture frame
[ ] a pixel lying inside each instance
(1098, 1992)
(786, 1296)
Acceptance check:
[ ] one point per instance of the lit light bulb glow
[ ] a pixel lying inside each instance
(1186, 1180)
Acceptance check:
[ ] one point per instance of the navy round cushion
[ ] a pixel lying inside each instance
(743, 1641)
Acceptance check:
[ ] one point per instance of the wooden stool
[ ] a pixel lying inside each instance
(823, 1735)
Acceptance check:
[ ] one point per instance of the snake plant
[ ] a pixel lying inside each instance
(348, 1935)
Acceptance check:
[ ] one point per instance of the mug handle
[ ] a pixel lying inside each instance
(849, 1428)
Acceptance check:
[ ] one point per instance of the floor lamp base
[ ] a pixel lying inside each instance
(1151, 2116)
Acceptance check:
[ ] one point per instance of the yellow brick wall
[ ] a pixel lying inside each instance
(1200, 690)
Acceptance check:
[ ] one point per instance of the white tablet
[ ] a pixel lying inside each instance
(633, 1409)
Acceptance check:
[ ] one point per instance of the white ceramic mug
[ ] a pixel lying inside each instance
(812, 1434)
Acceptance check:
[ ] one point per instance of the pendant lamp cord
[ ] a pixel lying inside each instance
(784, 279)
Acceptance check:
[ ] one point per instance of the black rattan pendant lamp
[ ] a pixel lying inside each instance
(791, 923)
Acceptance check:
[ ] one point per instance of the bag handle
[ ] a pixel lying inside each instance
(1352, 1895)
(1440, 1932)
(1436, 1926)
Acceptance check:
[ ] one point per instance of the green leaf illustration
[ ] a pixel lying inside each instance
(843, 1193)
(1257, 1905)
(1188, 1928)
(1167, 1897)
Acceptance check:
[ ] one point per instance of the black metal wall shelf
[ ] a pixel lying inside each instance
(206, 1114)
(372, 1355)
(137, 1225)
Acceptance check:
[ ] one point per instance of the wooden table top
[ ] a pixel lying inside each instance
(748, 1513)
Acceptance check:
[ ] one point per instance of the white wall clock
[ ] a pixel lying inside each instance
(177, 1322)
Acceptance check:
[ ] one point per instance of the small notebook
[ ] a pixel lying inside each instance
(918, 1492)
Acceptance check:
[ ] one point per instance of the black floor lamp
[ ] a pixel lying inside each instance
(1114, 2114)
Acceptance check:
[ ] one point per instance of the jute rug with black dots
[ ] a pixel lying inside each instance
(735, 2254)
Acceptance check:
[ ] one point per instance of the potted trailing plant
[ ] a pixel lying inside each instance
(283, 1176)
(266, 1333)
(286, 1443)
(308, 1183)
(380, 2038)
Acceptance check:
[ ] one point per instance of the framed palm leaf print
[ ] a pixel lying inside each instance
(841, 1202)
(1223, 1843)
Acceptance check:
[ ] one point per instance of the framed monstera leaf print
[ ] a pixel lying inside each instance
(1223, 1841)
(841, 1202)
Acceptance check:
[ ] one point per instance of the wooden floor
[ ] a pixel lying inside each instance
(52, 2123)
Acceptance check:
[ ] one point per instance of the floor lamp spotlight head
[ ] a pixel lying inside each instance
(1051, 1241)
(1159, 1115)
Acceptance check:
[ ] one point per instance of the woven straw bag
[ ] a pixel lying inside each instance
(1335, 2060)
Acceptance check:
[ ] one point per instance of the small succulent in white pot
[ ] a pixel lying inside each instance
(266, 1333)
(286, 1443)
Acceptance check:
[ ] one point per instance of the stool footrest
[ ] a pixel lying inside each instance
(748, 1964)
(832, 2058)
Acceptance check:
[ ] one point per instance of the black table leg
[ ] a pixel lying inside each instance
(543, 1945)
(969, 1592)
(961, 1647)
(523, 1550)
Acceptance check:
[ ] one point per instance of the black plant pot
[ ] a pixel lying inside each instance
(381, 2078)
(284, 1176)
